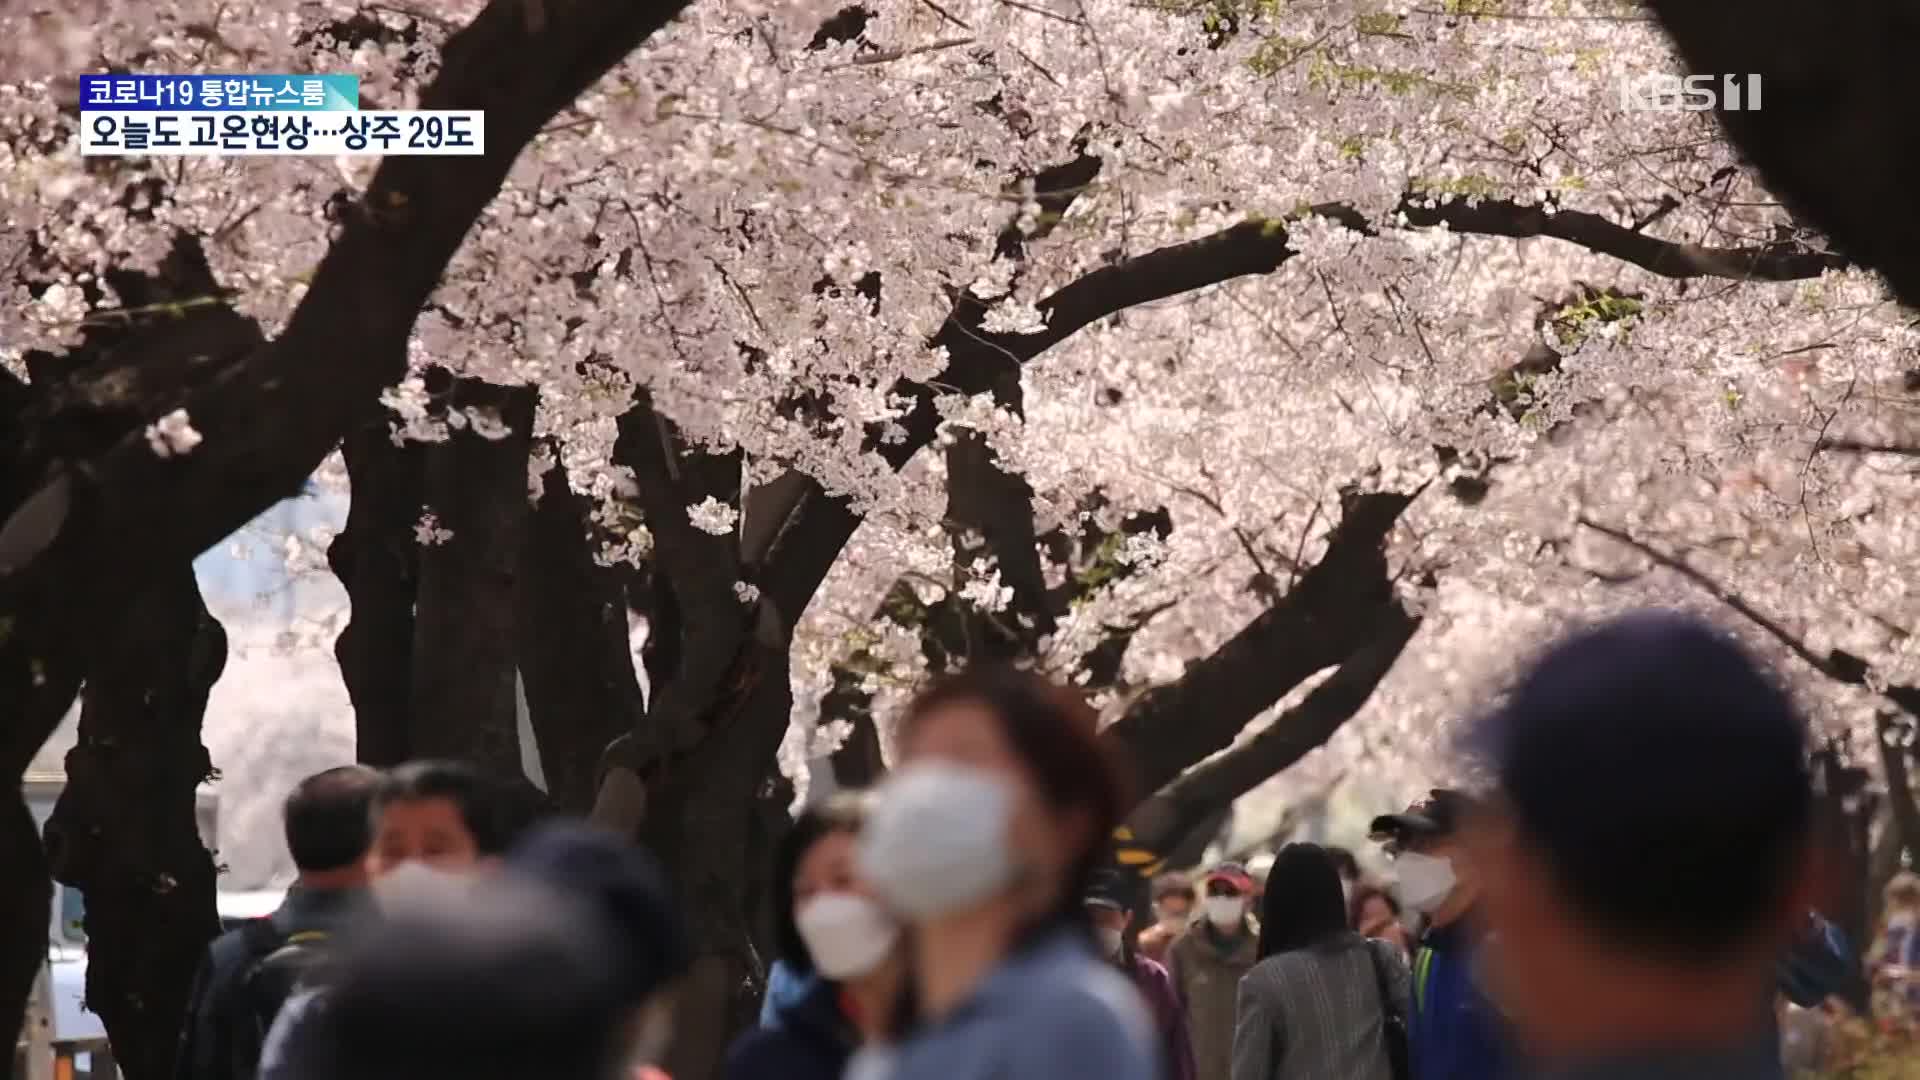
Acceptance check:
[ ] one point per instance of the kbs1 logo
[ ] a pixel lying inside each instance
(1665, 92)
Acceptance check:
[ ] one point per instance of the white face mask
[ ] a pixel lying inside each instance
(848, 935)
(938, 840)
(1425, 881)
(1111, 941)
(1224, 912)
(414, 884)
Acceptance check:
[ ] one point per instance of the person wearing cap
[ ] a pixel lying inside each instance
(1457, 1032)
(1173, 907)
(1208, 962)
(1649, 856)
(1110, 909)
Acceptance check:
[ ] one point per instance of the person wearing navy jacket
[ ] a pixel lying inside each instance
(838, 943)
(1457, 1033)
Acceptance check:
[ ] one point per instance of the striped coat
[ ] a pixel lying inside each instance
(1314, 1013)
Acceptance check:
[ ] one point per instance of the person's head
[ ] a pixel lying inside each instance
(1109, 903)
(500, 983)
(628, 892)
(1372, 910)
(1226, 895)
(1903, 894)
(1004, 801)
(1430, 862)
(1303, 905)
(1649, 844)
(328, 827)
(1173, 900)
(825, 917)
(444, 814)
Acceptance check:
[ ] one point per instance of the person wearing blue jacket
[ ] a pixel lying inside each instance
(1456, 1032)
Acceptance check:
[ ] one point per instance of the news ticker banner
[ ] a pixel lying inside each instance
(260, 115)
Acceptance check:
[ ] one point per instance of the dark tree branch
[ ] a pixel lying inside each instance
(267, 422)
(1176, 809)
(1858, 446)
(1329, 614)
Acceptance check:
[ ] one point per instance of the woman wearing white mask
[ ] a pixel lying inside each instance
(984, 841)
(828, 925)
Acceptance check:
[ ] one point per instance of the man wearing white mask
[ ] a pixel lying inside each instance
(1456, 1031)
(1208, 962)
(1110, 909)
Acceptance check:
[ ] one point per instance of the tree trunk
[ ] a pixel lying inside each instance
(705, 822)
(571, 640)
(377, 559)
(26, 903)
(125, 832)
(463, 664)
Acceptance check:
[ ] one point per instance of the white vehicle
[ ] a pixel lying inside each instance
(62, 1040)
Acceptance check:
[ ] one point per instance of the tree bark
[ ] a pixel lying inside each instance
(463, 701)
(1180, 807)
(377, 559)
(26, 904)
(1330, 613)
(571, 641)
(125, 831)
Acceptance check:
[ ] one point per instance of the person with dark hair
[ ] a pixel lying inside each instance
(1323, 1001)
(1374, 913)
(1110, 904)
(1173, 908)
(1209, 960)
(1649, 858)
(1458, 1032)
(1350, 876)
(983, 842)
(241, 986)
(826, 923)
(435, 824)
(562, 968)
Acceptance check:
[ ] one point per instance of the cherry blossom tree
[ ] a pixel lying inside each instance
(1213, 356)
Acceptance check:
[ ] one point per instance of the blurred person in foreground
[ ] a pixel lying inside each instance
(831, 932)
(1208, 961)
(434, 825)
(562, 968)
(1173, 904)
(1374, 913)
(1323, 1001)
(983, 842)
(248, 972)
(1110, 907)
(1647, 860)
(1457, 1029)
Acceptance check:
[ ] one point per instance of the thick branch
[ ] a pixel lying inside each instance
(269, 422)
(1187, 802)
(1331, 612)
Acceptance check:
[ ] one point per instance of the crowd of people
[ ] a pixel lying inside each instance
(1630, 892)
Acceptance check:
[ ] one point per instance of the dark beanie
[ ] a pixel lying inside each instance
(506, 979)
(624, 886)
(1663, 775)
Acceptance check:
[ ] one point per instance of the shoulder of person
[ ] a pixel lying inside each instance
(1098, 1025)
